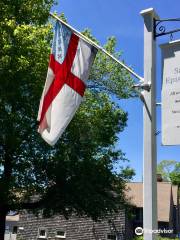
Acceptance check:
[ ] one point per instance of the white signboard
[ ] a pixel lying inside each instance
(171, 93)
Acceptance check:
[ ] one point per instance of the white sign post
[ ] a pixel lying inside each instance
(171, 93)
(149, 119)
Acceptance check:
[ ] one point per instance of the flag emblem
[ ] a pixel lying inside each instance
(68, 71)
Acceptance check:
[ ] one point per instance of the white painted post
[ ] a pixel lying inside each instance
(149, 114)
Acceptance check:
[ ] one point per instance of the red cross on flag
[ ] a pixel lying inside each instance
(68, 71)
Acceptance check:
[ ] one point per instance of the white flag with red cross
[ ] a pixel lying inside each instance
(68, 71)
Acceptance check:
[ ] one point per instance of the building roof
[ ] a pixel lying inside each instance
(164, 196)
(134, 193)
(175, 194)
(165, 193)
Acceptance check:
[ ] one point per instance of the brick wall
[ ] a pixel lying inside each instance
(76, 228)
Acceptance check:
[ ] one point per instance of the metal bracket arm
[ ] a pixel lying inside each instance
(160, 30)
(143, 86)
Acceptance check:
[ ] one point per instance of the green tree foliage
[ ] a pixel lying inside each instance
(108, 75)
(175, 174)
(157, 238)
(165, 167)
(77, 174)
(170, 171)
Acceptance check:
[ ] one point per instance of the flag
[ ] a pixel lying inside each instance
(70, 61)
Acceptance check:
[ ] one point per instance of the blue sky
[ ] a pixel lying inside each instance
(121, 18)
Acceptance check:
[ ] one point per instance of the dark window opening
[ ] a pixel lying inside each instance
(42, 233)
(15, 230)
(111, 236)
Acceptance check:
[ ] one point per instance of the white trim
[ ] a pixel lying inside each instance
(42, 237)
(60, 236)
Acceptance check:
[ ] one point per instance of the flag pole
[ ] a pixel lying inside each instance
(98, 47)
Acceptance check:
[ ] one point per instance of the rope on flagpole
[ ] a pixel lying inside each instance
(98, 47)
